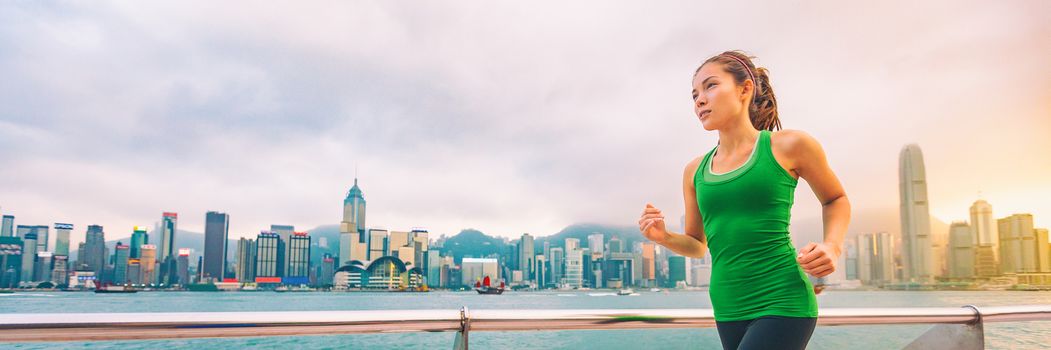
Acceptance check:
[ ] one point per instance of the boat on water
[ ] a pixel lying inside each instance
(202, 287)
(293, 289)
(115, 289)
(485, 287)
(626, 291)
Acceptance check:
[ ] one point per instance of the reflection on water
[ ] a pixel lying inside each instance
(1028, 335)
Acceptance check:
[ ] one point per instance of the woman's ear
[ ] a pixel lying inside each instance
(747, 89)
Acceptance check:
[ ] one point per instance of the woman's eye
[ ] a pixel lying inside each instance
(709, 86)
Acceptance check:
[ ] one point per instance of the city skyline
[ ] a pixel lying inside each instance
(109, 119)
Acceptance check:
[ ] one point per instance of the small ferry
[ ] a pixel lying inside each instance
(115, 289)
(484, 287)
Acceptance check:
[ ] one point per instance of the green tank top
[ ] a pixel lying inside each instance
(746, 213)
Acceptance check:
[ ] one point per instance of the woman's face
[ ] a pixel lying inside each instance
(717, 100)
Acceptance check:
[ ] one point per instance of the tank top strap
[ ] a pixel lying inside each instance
(767, 148)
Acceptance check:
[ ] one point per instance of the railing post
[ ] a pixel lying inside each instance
(460, 343)
(953, 336)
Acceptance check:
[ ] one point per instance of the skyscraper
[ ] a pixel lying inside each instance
(60, 270)
(616, 245)
(298, 271)
(135, 271)
(558, 265)
(95, 250)
(246, 260)
(421, 245)
(42, 270)
(169, 225)
(648, 259)
(434, 269)
(285, 232)
(29, 251)
(850, 250)
(397, 240)
(61, 259)
(540, 271)
(1043, 255)
(1018, 248)
(596, 244)
(182, 267)
(138, 238)
(42, 234)
(676, 270)
(268, 254)
(526, 255)
(352, 228)
(62, 238)
(328, 270)
(8, 226)
(987, 245)
(876, 258)
(22, 230)
(148, 264)
(917, 246)
(121, 254)
(961, 250)
(10, 261)
(574, 266)
(377, 243)
(216, 232)
(572, 243)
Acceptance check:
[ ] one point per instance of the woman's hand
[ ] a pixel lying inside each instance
(818, 259)
(651, 224)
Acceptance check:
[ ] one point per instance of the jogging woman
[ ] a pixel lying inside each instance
(738, 204)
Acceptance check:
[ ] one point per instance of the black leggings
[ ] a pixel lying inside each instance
(767, 332)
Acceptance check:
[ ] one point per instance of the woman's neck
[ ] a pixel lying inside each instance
(737, 136)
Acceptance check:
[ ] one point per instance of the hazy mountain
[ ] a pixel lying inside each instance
(628, 234)
(473, 244)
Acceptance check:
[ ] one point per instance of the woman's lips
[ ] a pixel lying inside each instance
(704, 114)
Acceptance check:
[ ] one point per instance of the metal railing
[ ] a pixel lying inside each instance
(956, 328)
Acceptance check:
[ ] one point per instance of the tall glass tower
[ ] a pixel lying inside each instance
(917, 250)
(352, 229)
(169, 223)
(62, 238)
(216, 233)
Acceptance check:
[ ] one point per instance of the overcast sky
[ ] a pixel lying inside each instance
(507, 117)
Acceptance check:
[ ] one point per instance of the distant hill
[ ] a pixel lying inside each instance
(472, 243)
(626, 233)
(328, 234)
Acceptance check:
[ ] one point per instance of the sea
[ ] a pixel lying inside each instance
(1009, 335)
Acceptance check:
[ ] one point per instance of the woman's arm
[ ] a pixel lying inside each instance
(807, 159)
(691, 243)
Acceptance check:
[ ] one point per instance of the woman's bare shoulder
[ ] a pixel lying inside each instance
(793, 142)
(691, 168)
